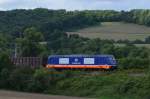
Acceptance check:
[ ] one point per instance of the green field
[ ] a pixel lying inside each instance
(137, 45)
(115, 31)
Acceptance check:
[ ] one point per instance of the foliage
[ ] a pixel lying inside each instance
(41, 80)
(118, 85)
(20, 77)
(31, 27)
(4, 81)
(114, 84)
(49, 26)
(30, 43)
(5, 61)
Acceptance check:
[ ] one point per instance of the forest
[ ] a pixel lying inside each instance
(42, 32)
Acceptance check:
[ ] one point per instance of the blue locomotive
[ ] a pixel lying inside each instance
(81, 62)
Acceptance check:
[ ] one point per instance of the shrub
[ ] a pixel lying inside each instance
(129, 63)
(42, 80)
(4, 75)
(20, 78)
(5, 61)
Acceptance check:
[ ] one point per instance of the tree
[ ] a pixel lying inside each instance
(30, 43)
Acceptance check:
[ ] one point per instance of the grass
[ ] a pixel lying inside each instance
(115, 31)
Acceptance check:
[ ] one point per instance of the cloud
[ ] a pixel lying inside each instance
(74, 4)
(3, 1)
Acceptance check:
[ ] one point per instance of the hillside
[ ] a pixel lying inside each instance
(115, 31)
(22, 30)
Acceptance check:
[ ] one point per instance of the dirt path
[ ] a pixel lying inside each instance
(20, 95)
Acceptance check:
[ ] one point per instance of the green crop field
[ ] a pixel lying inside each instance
(138, 45)
(115, 31)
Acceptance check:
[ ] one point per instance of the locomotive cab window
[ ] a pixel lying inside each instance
(63, 60)
(88, 60)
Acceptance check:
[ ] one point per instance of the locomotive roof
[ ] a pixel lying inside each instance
(80, 55)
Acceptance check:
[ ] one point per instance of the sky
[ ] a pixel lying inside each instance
(75, 4)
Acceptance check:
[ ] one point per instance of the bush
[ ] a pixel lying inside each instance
(4, 75)
(129, 63)
(20, 78)
(5, 61)
(43, 80)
